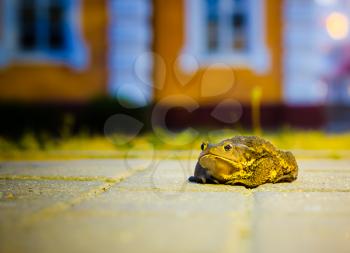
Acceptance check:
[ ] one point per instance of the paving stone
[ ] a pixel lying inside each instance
(134, 222)
(154, 232)
(331, 165)
(180, 204)
(87, 168)
(301, 222)
(313, 182)
(158, 210)
(29, 197)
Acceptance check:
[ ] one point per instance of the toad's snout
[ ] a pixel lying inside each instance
(216, 166)
(208, 162)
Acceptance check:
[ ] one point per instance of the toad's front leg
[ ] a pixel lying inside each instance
(202, 176)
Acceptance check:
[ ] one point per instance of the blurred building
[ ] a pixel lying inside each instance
(53, 50)
(194, 54)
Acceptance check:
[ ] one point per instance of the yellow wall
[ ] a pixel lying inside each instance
(59, 83)
(169, 18)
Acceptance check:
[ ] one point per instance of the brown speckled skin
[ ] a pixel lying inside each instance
(247, 160)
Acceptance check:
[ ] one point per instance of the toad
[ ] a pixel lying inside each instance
(244, 160)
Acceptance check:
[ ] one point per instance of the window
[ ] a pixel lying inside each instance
(227, 31)
(227, 25)
(41, 26)
(42, 30)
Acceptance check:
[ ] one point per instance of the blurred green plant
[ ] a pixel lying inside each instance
(44, 146)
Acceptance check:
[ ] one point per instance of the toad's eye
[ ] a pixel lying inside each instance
(228, 147)
(204, 146)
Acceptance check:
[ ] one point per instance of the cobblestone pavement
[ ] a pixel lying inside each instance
(137, 205)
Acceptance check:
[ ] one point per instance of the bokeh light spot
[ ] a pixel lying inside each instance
(121, 128)
(144, 74)
(228, 111)
(185, 67)
(131, 96)
(337, 25)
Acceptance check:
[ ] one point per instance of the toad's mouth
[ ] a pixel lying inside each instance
(210, 161)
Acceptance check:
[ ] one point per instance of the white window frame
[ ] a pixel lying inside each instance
(256, 58)
(76, 56)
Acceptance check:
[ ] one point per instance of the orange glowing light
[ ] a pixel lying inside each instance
(337, 25)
